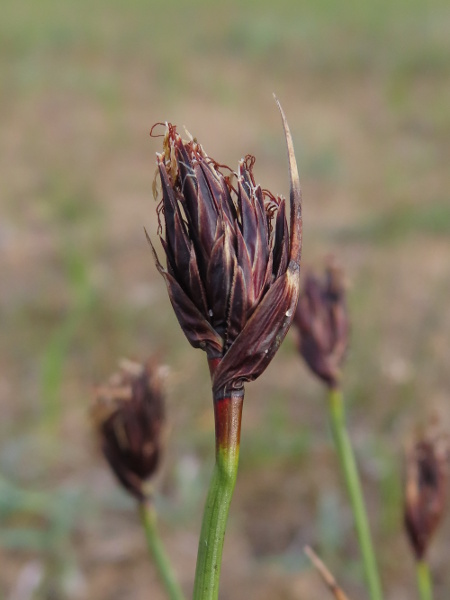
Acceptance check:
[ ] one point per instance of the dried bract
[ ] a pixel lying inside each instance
(129, 416)
(232, 263)
(322, 321)
(425, 492)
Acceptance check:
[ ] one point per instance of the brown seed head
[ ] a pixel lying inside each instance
(128, 413)
(425, 492)
(322, 321)
(232, 263)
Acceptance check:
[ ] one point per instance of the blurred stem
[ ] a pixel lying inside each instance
(227, 415)
(155, 547)
(348, 466)
(424, 580)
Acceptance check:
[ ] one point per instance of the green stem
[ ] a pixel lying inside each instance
(155, 547)
(348, 465)
(424, 580)
(227, 414)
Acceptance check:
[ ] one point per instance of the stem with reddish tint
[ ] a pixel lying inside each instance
(227, 415)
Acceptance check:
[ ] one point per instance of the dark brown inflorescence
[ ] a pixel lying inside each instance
(129, 415)
(425, 492)
(322, 321)
(232, 263)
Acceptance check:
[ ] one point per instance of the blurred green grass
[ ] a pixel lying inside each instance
(365, 88)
